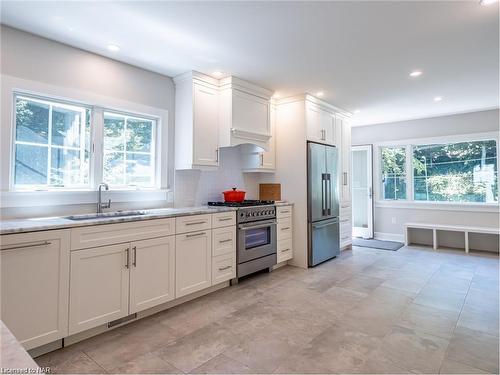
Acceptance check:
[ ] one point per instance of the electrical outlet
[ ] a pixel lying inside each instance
(393, 220)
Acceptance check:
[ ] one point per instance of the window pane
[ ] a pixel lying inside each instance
(66, 168)
(67, 152)
(30, 165)
(67, 127)
(139, 135)
(393, 172)
(114, 168)
(139, 170)
(32, 121)
(459, 172)
(114, 127)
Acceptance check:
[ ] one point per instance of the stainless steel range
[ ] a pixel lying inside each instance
(256, 235)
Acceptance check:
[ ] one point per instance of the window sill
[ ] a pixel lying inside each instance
(443, 206)
(53, 197)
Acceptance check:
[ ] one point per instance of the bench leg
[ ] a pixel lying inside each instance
(467, 242)
(406, 236)
(434, 239)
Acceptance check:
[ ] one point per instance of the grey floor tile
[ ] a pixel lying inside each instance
(148, 363)
(361, 283)
(440, 298)
(76, 363)
(480, 318)
(429, 320)
(222, 365)
(453, 367)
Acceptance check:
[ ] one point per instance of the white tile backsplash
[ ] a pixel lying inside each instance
(194, 187)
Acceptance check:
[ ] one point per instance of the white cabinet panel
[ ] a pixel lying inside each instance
(283, 211)
(224, 241)
(34, 286)
(328, 128)
(99, 286)
(193, 262)
(313, 123)
(152, 273)
(205, 127)
(285, 250)
(345, 177)
(223, 268)
(284, 228)
(223, 219)
(250, 114)
(193, 223)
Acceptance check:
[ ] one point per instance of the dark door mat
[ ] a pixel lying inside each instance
(377, 244)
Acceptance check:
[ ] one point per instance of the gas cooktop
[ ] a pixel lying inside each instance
(245, 203)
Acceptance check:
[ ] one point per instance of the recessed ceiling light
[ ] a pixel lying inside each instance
(438, 98)
(357, 111)
(320, 94)
(113, 48)
(487, 2)
(416, 73)
(217, 74)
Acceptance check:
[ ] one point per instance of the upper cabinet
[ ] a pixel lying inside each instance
(320, 122)
(345, 179)
(245, 114)
(196, 122)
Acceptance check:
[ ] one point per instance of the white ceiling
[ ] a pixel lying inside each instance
(358, 53)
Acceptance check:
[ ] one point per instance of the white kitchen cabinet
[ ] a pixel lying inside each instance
(152, 273)
(345, 158)
(223, 268)
(193, 262)
(320, 124)
(99, 286)
(284, 215)
(224, 241)
(34, 286)
(244, 113)
(196, 121)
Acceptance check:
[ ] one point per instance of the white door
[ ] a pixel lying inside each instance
(362, 192)
(193, 262)
(152, 273)
(99, 286)
(206, 123)
(35, 280)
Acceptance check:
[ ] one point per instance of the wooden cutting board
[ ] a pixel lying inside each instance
(270, 192)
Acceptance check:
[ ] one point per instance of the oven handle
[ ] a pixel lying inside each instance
(259, 225)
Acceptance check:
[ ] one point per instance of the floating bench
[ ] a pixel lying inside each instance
(436, 229)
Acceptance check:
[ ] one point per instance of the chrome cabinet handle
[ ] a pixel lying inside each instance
(224, 268)
(261, 160)
(195, 234)
(224, 241)
(217, 155)
(127, 252)
(196, 222)
(226, 219)
(285, 228)
(44, 243)
(345, 178)
(134, 263)
(285, 211)
(284, 250)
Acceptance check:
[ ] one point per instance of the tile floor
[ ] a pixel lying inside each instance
(369, 311)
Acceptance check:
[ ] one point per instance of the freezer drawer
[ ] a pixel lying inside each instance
(324, 241)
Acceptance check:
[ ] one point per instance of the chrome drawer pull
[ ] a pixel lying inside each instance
(44, 243)
(228, 240)
(196, 223)
(285, 228)
(226, 219)
(127, 250)
(285, 250)
(285, 212)
(134, 263)
(225, 268)
(196, 234)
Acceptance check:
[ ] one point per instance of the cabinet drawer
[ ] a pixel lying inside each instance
(283, 211)
(285, 250)
(224, 241)
(223, 268)
(193, 223)
(223, 219)
(284, 228)
(345, 211)
(109, 234)
(345, 231)
(345, 220)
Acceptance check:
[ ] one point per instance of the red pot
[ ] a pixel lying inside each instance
(234, 195)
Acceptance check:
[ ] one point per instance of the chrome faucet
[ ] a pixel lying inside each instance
(101, 205)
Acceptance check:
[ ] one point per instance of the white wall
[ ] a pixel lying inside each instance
(388, 221)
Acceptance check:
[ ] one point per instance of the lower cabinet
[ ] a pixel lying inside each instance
(110, 282)
(345, 225)
(223, 254)
(99, 286)
(34, 286)
(285, 233)
(193, 262)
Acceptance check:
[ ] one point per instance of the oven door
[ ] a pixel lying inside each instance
(256, 240)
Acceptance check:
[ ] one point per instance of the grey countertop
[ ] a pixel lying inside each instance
(49, 223)
(283, 203)
(14, 356)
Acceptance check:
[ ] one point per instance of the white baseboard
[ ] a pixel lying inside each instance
(389, 237)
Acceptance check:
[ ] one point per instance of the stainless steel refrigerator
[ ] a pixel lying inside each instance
(323, 202)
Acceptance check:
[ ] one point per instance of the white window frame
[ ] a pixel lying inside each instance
(11, 198)
(410, 203)
(407, 165)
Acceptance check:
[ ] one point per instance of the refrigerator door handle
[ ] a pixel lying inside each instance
(323, 204)
(329, 194)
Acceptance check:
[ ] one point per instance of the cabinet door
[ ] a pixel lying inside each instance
(328, 127)
(313, 120)
(250, 114)
(35, 280)
(346, 158)
(268, 160)
(205, 127)
(152, 273)
(193, 262)
(99, 286)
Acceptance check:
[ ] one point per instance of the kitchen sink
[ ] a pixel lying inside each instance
(105, 215)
